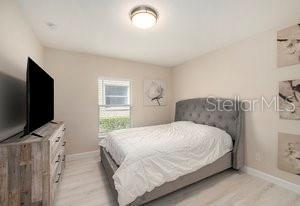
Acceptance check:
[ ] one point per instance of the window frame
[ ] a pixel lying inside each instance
(129, 105)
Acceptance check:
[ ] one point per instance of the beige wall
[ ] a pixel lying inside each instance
(17, 41)
(247, 69)
(76, 94)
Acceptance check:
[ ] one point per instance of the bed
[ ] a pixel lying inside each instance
(218, 115)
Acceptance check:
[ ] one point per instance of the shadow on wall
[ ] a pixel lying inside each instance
(12, 105)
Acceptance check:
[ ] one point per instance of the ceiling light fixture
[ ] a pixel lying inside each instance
(143, 17)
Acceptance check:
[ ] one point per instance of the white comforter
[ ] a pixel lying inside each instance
(151, 156)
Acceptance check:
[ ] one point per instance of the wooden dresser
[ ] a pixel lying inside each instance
(31, 167)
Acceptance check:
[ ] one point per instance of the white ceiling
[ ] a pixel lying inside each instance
(185, 29)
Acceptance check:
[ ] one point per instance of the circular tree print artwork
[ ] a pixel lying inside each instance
(289, 99)
(154, 92)
(288, 46)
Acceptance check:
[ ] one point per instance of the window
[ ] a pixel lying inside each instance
(116, 94)
(114, 105)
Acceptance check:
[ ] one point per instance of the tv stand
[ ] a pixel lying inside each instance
(32, 167)
(53, 122)
(35, 134)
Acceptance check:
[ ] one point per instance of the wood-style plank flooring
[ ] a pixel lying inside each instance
(84, 184)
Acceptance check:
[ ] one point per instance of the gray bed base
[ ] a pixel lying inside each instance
(228, 117)
(218, 166)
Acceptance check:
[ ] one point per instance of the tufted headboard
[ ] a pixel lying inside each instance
(225, 114)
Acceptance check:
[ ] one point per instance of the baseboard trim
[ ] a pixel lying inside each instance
(81, 155)
(275, 180)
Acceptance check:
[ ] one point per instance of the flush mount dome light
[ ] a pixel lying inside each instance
(143, 17)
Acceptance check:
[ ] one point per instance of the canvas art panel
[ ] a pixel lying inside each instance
(154, 92)
(288, 46)
(289, 153)
(289, 99)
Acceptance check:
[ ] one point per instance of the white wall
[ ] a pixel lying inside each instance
(76, 94)
(247, 69)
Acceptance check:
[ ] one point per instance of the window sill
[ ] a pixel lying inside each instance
(101, 136)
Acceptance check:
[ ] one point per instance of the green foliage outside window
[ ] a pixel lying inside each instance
(109, 124)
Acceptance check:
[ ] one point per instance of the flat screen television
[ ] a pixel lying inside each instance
(39, 97)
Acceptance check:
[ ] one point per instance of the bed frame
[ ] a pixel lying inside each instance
(225, 114)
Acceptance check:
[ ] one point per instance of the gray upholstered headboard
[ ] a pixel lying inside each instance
(225, 114)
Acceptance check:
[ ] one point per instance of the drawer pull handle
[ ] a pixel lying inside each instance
(64, 158)
(64, 144)
(58, 159)
(57, 180)
(57, 140)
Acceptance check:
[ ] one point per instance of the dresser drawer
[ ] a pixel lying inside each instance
(55, 149)
(55, 163)
(55, 180)
(56, 177)
(55, 139)
(57, 142)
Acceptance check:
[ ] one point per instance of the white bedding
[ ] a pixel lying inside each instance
(151, 156)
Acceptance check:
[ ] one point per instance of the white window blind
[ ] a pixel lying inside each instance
(114, 105)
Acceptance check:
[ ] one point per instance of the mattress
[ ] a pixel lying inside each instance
(151, 156)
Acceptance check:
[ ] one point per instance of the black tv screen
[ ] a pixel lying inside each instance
(40, 97)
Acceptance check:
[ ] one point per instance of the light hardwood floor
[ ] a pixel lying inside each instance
(84, 184)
